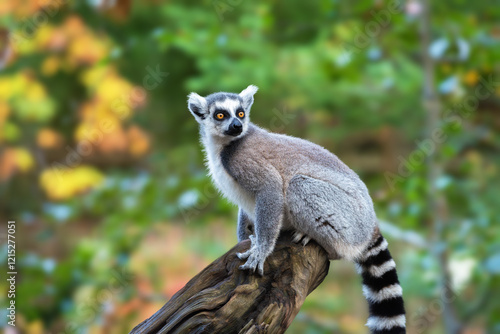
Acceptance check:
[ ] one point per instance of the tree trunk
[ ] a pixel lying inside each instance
(436, 200)
(224, 299)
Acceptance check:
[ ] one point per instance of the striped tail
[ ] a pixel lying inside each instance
(382, 290)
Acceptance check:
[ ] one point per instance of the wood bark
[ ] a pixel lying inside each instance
(224, 299)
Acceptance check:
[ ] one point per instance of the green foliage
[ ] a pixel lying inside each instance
(346, 75)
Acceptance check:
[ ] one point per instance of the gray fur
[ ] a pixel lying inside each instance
(245, 226)
(282, 183)
(285, 183)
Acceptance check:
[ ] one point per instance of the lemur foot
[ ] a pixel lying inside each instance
(255, 258)
(301, 237)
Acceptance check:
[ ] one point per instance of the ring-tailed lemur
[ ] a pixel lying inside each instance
(280, 183)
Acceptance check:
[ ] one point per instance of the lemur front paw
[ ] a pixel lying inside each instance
(255, 258)
(299, 236)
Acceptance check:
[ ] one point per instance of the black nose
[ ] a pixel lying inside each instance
(235, 128)
(235, 125)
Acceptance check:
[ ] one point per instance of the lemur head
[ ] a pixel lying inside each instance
(224, 115)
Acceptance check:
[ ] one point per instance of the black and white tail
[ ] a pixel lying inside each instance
(382, 290)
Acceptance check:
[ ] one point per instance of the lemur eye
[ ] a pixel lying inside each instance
(241, 114)
(219, 115)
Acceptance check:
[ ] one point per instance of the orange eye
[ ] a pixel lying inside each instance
(241, 114)
(220, 115)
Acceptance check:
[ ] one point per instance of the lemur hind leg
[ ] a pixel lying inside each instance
(336, 216)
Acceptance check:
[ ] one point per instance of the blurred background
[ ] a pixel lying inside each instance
(101, 167)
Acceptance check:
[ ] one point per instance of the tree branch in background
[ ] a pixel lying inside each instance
(223, 299)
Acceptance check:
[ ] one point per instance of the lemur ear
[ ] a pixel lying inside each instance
(247, 96)
(198, 106)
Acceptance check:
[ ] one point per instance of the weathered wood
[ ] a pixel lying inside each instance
(224, 299)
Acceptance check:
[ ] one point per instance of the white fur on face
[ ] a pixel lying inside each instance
(229, 105)
(247, 96)
(217, 128)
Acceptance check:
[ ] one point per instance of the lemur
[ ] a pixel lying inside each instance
(282, 183)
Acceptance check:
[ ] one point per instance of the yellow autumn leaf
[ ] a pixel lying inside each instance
(22, 44)
(14, 85)
(18, 83)
(95, 111)
(50, 65)
(96, 129)
(94, 75)
(110, 90)
(4, 112)
(43, 36)
(35, 327)
(35, 91)
(87, 49)
(5, 89)
(113, 87)
(60, 182)
(24, 160)
(34, 110)
(471, 78)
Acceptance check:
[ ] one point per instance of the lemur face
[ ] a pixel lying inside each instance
(227, 117)
(223, 115)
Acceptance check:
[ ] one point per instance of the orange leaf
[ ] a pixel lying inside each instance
(138, 140)
(48, 138)
(7, 164)
(15, 160)
(115, 141)
(50, 66)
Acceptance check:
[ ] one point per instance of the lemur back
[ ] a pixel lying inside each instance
(261, 155)
(281, 182)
